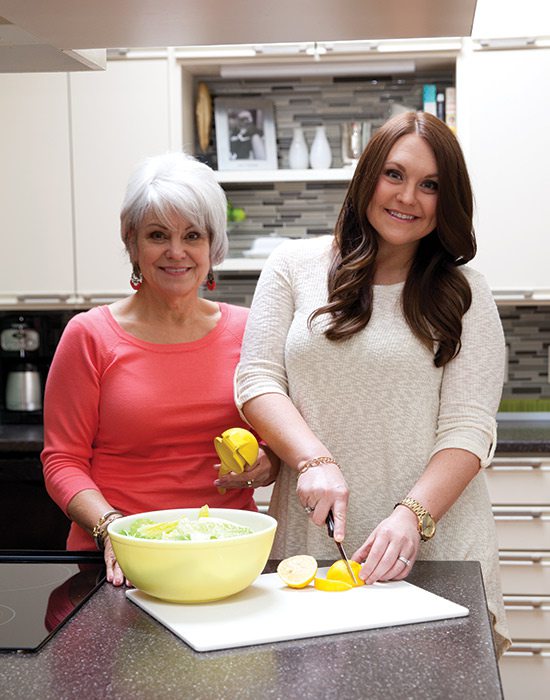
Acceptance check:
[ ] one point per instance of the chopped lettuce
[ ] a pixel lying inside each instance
(205, 528)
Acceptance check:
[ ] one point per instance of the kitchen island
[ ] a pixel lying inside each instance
(112, 649)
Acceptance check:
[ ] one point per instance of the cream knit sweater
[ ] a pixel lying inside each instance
(379, 404)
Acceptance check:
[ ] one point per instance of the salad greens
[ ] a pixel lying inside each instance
(205, 528)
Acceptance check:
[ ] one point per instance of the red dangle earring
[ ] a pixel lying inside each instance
(136, 278)
(210, 281)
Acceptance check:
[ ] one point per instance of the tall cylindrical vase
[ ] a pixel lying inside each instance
(298, 156)
(320, 155)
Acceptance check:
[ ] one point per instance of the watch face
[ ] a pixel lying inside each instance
(427, 527)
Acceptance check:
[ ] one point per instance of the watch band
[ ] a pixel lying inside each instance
(422, 514)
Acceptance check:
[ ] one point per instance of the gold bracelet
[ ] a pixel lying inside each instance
(98, 533)
(316, 462)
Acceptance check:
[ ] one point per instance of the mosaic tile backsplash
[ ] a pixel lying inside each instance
(527, 332)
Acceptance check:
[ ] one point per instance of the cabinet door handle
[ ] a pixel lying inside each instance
(520, 512)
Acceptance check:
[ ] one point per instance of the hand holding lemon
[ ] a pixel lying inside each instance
(237, 449)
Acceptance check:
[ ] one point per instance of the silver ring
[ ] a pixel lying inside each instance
(249, 483)
(308, 509)
(404, 560)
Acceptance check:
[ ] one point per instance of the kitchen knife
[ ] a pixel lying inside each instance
(330, 527)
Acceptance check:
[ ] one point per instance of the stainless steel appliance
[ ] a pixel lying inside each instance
(23, 389)
(23, 381)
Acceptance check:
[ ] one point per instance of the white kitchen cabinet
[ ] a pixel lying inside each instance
(119, 117)
(68, 144)
(35, 186)
(519, 487)
(503, 108)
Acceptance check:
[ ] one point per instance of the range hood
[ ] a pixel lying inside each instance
(64, 35)
(21, 52)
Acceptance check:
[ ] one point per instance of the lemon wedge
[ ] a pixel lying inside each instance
(339, 572)
(298, 571)
(328, 584)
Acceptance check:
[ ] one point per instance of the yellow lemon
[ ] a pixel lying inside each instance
(298, 571)
(328, 584)
(339, 572)
(204, 511)
(237, 448)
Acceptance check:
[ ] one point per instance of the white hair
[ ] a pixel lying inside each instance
(176, 182)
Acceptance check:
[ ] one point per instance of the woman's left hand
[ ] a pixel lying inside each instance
(390, 551)
(262, 473)
(113, 572)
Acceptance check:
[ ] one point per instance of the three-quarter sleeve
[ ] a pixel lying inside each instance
(262, 366)
(473, 381)
(70, 415)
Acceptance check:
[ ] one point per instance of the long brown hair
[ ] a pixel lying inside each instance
(436, 294)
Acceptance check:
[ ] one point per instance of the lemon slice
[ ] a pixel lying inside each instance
(331, 584)
(298, 571)
(204, 512)
(339, 572)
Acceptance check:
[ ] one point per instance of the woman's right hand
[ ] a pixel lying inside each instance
(323, 488)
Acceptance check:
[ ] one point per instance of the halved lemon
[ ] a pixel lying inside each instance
(237, 448)
(339, 572)
(298, 571)
(328, 584)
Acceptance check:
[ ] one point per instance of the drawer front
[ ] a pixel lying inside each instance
(529, 533)
(529, 579)
(262, 496)
(529, 624)
(525, 677)
(518, 486)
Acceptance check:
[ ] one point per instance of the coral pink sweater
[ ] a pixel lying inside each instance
(136, 420)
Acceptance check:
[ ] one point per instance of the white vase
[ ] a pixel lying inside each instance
(320, 155)
(298, 156)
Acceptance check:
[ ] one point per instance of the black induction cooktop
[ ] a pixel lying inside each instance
(40, 591)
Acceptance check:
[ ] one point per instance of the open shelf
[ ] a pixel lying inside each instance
(284, 175)
(241, 265)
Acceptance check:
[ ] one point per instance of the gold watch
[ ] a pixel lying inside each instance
(426, 524)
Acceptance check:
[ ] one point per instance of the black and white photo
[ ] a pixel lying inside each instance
(245, 134)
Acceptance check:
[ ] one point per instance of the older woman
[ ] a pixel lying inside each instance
(138, 389)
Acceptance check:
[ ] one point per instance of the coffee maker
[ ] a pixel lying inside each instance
(21, 378)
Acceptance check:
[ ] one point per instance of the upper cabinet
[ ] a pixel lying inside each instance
(503, 113)
(69, 144)
(35, 186)
(118, 118)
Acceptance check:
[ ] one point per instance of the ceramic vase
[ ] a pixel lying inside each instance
(298, 156)
(320, 155)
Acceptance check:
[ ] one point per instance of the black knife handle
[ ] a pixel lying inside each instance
(330, 524)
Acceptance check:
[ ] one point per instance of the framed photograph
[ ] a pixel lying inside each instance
(245, 134)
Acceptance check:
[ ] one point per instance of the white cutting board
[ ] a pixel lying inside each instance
(269, 611)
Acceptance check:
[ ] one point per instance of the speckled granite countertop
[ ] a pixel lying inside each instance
(113, 649)
(513, 436)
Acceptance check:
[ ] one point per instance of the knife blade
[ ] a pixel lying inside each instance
(330, 528)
